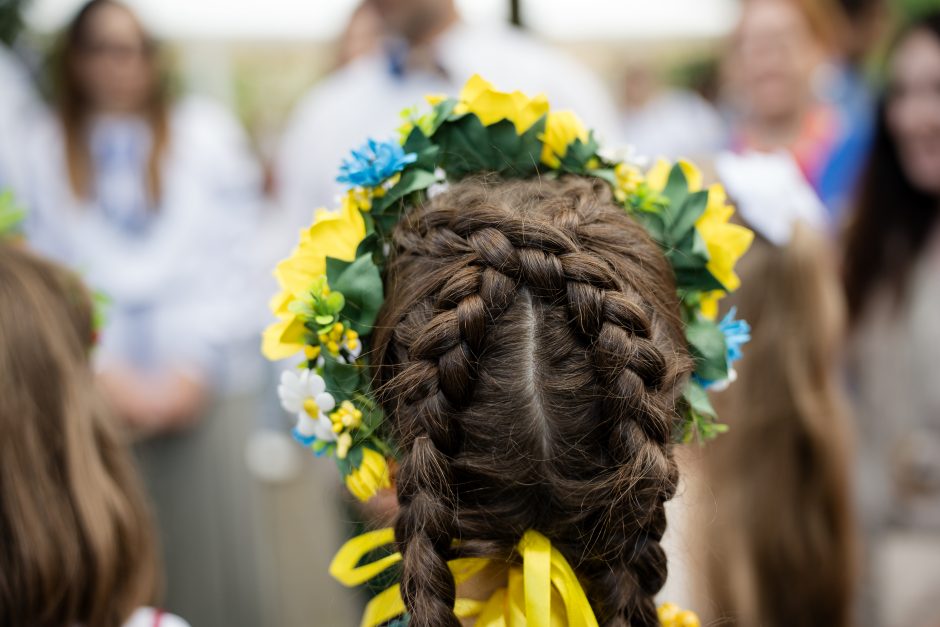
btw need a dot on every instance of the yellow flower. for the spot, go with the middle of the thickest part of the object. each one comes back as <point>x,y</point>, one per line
<point>343,442</point>
<point>628,180</point>
<point>725,242</point>
<point>670,615</point>
<point>480,98</point>
<point>709,303</point>
<point>371,476</point>
<point>562,128</point>
<point>335,234</point>
<point>283,339</point>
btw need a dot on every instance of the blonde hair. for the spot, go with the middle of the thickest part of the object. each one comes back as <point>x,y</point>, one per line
<point>76,545</point>
<point>780,531</point>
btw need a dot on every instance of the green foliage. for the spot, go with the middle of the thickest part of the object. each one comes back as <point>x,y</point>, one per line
<point>468,147</point>
<point>700,424</point>
<point>360,284</point>
<point>11,215</point>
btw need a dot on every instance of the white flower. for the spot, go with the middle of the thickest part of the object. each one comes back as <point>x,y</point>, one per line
<point>624,154</point>
<point>304,393</point>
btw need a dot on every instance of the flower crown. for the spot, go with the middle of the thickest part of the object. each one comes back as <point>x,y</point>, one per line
<point>331,285</point>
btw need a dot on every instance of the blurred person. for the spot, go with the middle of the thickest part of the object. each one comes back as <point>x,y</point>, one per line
<point>428,49</point>
<point>362,35</point>
<point>154,199</point>
<point>77,546</point>
<point>670,122</point>
<point>764,532</point>
<point>19,103</point>
<point>775,530</point>
<point>861,29</point>
<point>776,53</point>
<point>892,261</point>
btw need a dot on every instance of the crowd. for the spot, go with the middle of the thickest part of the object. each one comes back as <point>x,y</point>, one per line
<point>819,506</point>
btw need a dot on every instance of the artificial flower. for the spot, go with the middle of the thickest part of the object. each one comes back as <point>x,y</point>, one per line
<point>708,303</point>
<point>371,476</point>
<point>481,99</point>
<point>342,343</point>
<point>373,162</point>
<point>346,416</point>
<point>628,178</point>
<point>725,242</point>
<point>658,175</point>
<point>737,334</point>
<point>284,338</point>
<point>671,615</point>
<point>335,234</point>
<point>562,128</point>
<point>304,394</point>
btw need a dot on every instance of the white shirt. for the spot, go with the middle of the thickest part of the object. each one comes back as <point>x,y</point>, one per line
<point>675,124</point>
<point>148,617</point>
<point>364,100</point>
<point>179,276</point>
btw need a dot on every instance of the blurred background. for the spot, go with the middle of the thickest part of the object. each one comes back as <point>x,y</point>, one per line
<point>169,150</point>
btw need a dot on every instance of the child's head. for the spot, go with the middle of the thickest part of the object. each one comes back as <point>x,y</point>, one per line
<point>75,543</point>
<point>529,355</point>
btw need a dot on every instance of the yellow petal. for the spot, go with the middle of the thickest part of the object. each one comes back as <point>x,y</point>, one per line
<point>562,128</point>
<point>658,175</point>
<point>282,339</point>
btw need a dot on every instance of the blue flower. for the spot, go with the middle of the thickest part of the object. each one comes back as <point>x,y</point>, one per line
<point>737,334</point>
<point>373,162</point>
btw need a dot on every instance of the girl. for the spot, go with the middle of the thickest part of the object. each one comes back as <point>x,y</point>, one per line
<point>892,256</point>
<point>137,189</point>
<point>773,494</point>
<point>76,544</point>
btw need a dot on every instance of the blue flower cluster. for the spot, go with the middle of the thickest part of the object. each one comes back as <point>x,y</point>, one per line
<point>737,334</point>
<point>373,162</point>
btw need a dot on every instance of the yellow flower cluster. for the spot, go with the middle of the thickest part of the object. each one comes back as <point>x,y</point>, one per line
<point>671,615</point>
<point>371,476</point>
<point>346,418</point>
<point>339,337</point>
<point>335,234</point>
<point>629,179</point>
<point>726,242</point>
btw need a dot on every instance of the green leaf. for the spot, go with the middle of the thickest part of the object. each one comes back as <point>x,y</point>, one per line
<point>335,268</point>
<point>413,179</point>
<point>685,217</point>
<point>709,349</point>
<point>361,285</point>
<point>342,380</point>
<point>698,400</point>
<point>323,320</point>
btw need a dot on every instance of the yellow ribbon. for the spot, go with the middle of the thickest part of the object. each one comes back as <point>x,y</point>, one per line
<point>545,592</point>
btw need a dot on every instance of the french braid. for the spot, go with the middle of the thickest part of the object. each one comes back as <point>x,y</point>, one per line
<point>528,356</point>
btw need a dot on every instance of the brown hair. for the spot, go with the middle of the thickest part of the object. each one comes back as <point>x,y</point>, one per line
<point>73,107</point>
<point>893,220</point>
<point>529,355</point>
<point>76,545</point>
<point>777,531</point>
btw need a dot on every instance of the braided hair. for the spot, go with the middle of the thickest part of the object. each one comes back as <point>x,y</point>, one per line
<point>529,355</point>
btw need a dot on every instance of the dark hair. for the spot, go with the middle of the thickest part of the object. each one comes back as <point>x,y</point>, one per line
<point>72,104</point>
<point>76,542</point>
<point>892,220</point>
<point>529,355</point>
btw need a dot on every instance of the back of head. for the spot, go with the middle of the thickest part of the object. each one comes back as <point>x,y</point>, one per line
<point>777,483</point>
<point>528,356</point>
<point>75,546</point>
